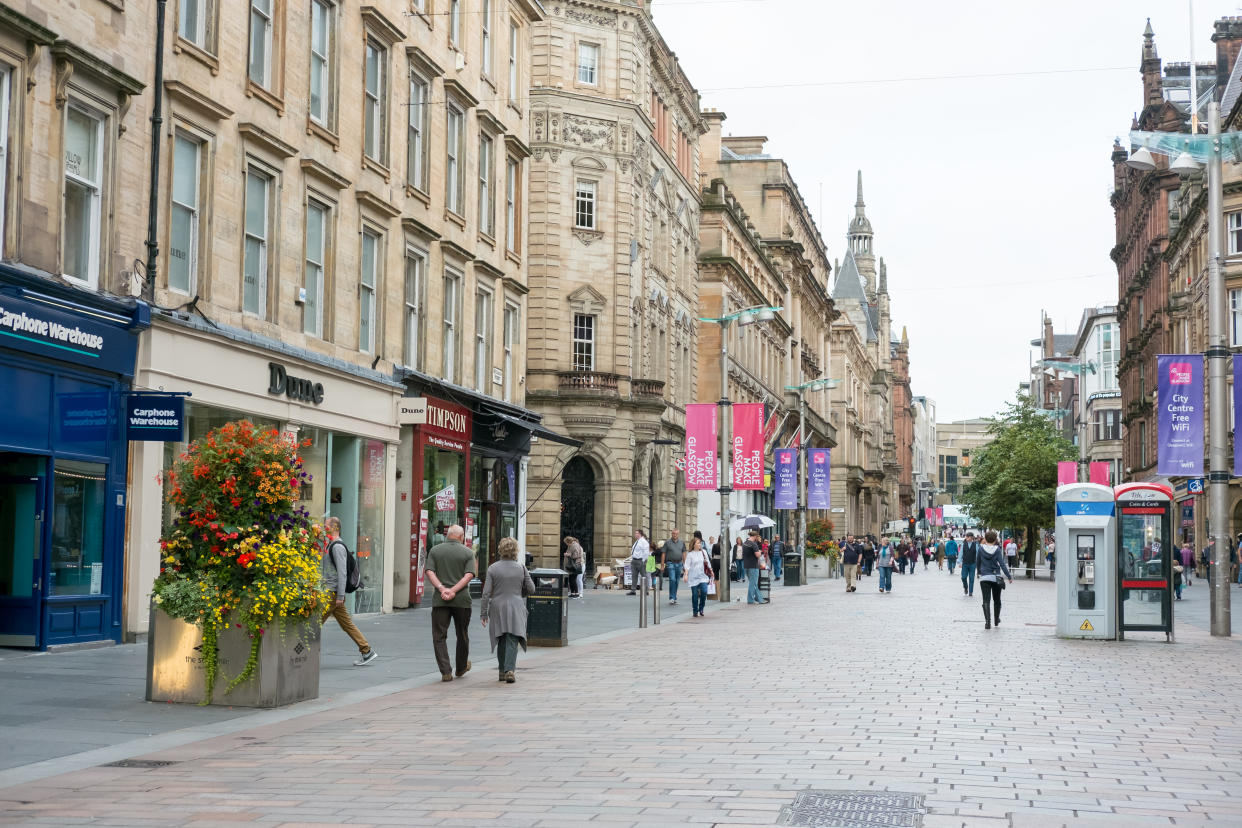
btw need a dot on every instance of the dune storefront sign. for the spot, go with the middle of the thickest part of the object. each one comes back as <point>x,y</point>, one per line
<point>280,381</point>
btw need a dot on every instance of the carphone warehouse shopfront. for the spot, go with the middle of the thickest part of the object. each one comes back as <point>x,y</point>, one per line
<point>66,360</point>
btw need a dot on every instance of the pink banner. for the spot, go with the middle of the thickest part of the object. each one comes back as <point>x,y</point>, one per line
<point>748,445</point>
<point>1099,474</point>
<point>701,446</point>
<point>940,516</point>
<point>1067,472</point>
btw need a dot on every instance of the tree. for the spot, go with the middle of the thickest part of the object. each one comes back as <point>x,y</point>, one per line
<point>1014,477</point>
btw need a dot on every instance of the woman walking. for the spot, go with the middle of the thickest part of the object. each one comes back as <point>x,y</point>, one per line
<point>698,574</point>
<point>504,604</point>
<point>991,563</point>
<point>885,561</point>
<point>913,554</point>
<point>575,565</point>
<point>716,559</point>
<point>739,572</point>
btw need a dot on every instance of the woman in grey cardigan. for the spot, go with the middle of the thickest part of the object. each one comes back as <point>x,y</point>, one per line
<point>504,604</point>
<point>991,563</point>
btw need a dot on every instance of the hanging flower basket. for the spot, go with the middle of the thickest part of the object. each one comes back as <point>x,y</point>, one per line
<point>239,566</point>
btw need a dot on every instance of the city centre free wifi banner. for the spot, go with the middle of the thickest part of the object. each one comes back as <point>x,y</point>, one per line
<point>748,446</point>
<point>1179,415</point>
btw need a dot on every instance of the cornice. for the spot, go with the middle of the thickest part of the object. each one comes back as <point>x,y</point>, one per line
<point>255,134</point>
<point>323,174</point>
<point>190,97</point>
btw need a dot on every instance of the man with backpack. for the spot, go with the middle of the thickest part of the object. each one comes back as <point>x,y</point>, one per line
<point>340,576</point>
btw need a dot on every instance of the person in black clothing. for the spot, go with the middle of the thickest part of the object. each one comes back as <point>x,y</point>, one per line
<point>868,557</point>
<point>970,557</point>
<point>850,554</point>
<point>751,550</point>
<point>716,557</point>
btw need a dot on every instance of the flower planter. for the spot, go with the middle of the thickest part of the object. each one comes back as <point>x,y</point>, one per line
<point>817,567</point>
<point>287,672</point>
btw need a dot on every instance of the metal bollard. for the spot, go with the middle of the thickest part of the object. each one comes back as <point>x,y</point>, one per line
<point>642,602</point>
<point>655,597</point>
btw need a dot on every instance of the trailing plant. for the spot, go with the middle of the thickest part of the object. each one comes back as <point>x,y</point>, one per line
<point>239,550</point>
<point>819,542</point>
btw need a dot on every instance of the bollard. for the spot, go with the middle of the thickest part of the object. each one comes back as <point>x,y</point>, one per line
<point>642,602</point>
<point>655,597</point>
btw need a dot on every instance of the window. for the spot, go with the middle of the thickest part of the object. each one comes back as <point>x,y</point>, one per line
<point>486,14</point>
<point>1109,353</point>
<point>372,254</point>
<point>512,171</point>
<point>511,320</point>
<point>416,162</point>
<point>415,290</point>
<point>588,62</point>
<point>584,342</point>
<point>584,205</point>
<point>192,22</point>
<point>487,217</point>
<point>1235,318</point>
<point>316,266</point>
<point>254,268</point>
<point>1235,233</point>
<point>454,28</point>
<point>482,340</point>
<point>513,63</point>
<point>5,79</point>
<point>375,119</point>
<point>455,149</point>
<point>321,63</point>
<point>260,70</point>
<point>452,307</point>
<point>1142,437</point>
<point>1108,425</point>
<point>183,222</point>
<point>83,193</point>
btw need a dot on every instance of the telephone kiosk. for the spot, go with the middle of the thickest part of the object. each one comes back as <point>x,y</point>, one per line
<point>1145,553</point>
<point>1086,538</point>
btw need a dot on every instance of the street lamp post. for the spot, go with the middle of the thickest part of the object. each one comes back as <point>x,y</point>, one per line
<point>800,390</point>
<point>1189,151</point>
<point>746,316</point>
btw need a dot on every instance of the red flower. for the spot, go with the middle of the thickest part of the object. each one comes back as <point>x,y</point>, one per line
<point>244,560</point>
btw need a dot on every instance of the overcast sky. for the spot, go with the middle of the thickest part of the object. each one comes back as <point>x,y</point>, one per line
<point>988,195</point>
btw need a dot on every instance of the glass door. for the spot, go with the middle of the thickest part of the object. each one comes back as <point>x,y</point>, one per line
<point>22,499</point>
<point>1144,567</point>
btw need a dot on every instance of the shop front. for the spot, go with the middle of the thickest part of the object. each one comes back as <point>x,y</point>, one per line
<point>66,361</point>
<point>340,415</point>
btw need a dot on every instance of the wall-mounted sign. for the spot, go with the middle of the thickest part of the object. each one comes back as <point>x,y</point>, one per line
<point>298,389</point>
<point>158,417</point>
<point>59,333</point>
<point>412,410</point>
<point>85,417</point>
<point>448,419</point>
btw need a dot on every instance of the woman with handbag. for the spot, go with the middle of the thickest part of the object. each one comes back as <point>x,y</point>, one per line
<point>991,564</point>
<point>504,604</point>
<point>739,574</point>
<point>575,564</point>
<point>886,559</point>
<point>698,574</point>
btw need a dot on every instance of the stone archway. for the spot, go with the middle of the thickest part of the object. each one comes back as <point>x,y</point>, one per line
<point>578,506</point>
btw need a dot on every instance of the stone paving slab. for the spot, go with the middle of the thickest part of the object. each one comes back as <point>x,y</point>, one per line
<point>720,721</point>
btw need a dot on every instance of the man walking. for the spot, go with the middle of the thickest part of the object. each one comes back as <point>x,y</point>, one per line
<point>750,563</point>
<point>638,560</point>
<point>777,553</point>
<point>950,552</point>
<point>849,558</point>
<point>674,563</point>
<point>450,568</point>
<point>333,568</point>
<point>970,557</point>
<point>1011,553</point>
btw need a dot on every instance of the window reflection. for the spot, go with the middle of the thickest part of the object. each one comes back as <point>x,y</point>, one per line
<point>77,528</point>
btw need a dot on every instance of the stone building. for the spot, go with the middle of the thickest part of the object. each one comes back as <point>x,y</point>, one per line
<point>903,429</point>
<point>924,459</point>
<point>864,466</point>
<point>614,206</point>
<point>1053,383</point>
<point>759,246</point>
<point>956,443</point>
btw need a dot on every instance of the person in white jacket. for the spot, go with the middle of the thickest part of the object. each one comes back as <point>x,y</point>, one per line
<point>639,553</point>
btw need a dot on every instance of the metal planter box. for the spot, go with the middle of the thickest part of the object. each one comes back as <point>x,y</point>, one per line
<point>818,567</point>
<point>287,672</point>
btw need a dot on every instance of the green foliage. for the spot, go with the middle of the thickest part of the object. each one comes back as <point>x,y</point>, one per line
<point>819,542</point>
<point>1014,478</point>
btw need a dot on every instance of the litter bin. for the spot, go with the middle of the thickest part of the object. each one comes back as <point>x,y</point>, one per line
<point>547,621</point>
<point>475,588</point>
<point>765,584</point>
<point>793,569</point>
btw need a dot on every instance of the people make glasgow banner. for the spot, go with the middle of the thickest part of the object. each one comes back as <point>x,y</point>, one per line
<point>748,446</point>
<point>786,462</point>
<point>701,446</point>
<point>1179,446</point>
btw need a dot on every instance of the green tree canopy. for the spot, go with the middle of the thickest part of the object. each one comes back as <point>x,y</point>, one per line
<point>1014,477</point>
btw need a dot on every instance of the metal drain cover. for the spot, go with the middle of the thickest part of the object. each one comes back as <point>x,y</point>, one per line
<point>853,809</point>
<point>141,763</point>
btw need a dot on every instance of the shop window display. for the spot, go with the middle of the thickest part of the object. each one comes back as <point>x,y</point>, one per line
<point>77,528</point>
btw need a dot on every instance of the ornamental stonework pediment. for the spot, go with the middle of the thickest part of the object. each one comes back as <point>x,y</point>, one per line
<point>587,300</point>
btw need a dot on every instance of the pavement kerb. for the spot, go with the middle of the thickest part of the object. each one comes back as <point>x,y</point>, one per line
<point>346,704</point>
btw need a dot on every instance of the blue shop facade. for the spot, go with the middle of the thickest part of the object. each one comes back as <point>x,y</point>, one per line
<point>67,358</point>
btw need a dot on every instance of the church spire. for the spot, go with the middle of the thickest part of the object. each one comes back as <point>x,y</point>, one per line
<point>860,227</point>
<point>859,205</point>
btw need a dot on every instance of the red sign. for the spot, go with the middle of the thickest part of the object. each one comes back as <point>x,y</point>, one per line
<point>447,419</point>
<point>1142,510</point>
<point>748,446</point>
<point>1145,584</point>
<point>701,446</point>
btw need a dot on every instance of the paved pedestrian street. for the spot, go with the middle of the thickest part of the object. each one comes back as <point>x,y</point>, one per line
<point>725,721</point>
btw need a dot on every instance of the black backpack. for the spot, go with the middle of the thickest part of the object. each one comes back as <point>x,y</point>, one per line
<point>353,578</point>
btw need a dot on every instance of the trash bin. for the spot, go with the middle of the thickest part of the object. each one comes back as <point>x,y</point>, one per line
<point>475,588</point>
<point>793,569</point>
<point>765,584</point>
<point>547,621</point>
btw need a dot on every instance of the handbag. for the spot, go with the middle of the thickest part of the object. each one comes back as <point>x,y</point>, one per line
<point>711,587</point>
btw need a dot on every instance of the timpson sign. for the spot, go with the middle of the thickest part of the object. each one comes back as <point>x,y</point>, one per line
<point>437,416</point>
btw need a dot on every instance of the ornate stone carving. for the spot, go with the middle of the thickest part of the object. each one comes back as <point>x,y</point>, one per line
<point>63,72</point>
<point>592,18</point>
<point>554,154</point>
<point>537,152</point>
<point>124,102</point>
<point>537,124</point>
<point>590,132</point>
<point>587,236</point>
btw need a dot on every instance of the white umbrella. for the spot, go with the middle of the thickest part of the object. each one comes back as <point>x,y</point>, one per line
<point>751,522</point>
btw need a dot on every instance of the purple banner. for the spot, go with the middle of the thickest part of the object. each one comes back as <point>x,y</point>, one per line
<point>1179,425</point>
<point>511,473</point>
<point>786,482</point>
<point>1237,411</point>
<point>818,476</point>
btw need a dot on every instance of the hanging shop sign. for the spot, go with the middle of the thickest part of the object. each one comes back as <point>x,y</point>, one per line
<point>786,463</point>
<point>748,445</point>
<point>281,382</point>
<point>1179,450</point>
<point>701,444</point>
<point>155,417</point>
<point>59,333</point>
<point>819,473</point>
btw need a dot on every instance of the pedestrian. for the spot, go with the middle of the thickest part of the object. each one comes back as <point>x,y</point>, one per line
<point>777,552</point>
<point>504,604</point>
<point>912,554</point>
<point>849,558</point>
<point>1188,560</point>
<point>1011,553</point>
<point>940,554</point>
<point>639,552</point>
<point>574,564</point>
<point>991,563</point>
<point>450,568</point>
<point>738,567</point>
<point>698,573</point>
<point>716,556</point>
<point>1234,573</point>
<point>950,552</point>
<point>868,557</point>
<point>751,550</point>
<point>1051,558</point>
<point>1177,579</point>
<point>926,549</point>
<point>885,561</point>
<point>333,567</point>
<point>674,563</point>
<point>970,555</point>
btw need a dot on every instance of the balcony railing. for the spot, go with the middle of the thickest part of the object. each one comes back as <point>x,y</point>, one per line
<point>648,388</point>
<point>598,381</point>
